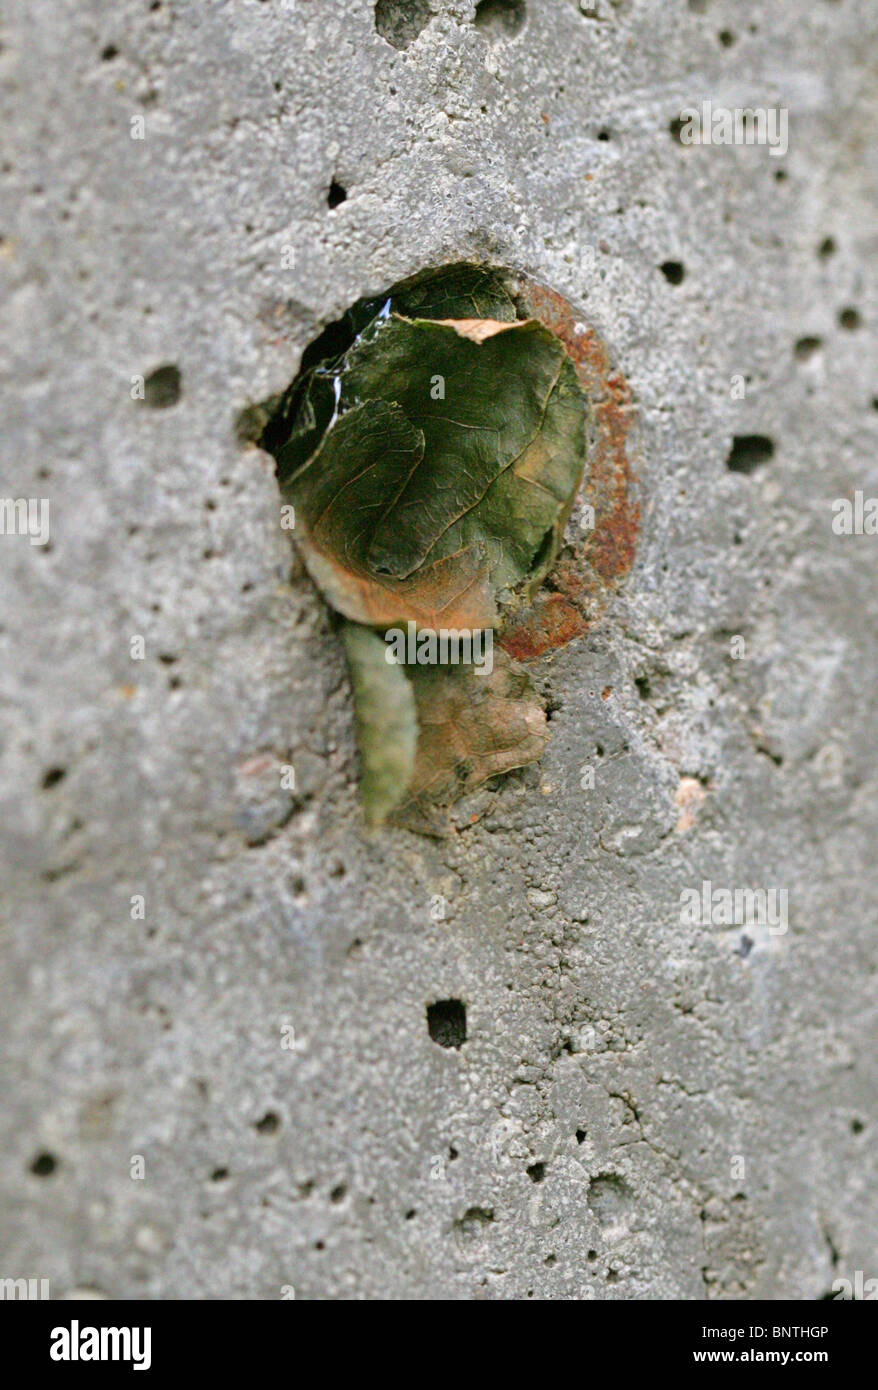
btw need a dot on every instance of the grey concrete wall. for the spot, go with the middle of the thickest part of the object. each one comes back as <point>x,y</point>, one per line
<point>238,1092</point>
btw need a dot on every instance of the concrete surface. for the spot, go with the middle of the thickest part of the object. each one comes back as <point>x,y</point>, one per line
<point>237,1093</point>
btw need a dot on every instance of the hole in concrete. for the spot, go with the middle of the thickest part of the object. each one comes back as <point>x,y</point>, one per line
<point>826,248</point>
<point>401,21</point>
<point>834,1253</point>
<point>446,1021</point>
<point>805,348</point>
<point>52,776</point>
<point>269,1124</point>
<point>857,1126</point>
<point>644,689</point>
<point>501,18</point>
<point>726,38</point>
<point>44,1165</point>
<point>321,404</point>
<point>473,1221</point>
<point>748,452</point>
<point>673,272</point>
<point>338,1193</point>
<point>162,388</point>
<point>219,1175</point>
<point>675,126</point>
<point>536,1171</point>
<point>609,1197</point>
<point>109,52</point>
<point>580,1136</point>
<point>850,319</point>
<point>336,195</point>
<point>553,706</point>
<point>765,752</point>
<point>604,134</point>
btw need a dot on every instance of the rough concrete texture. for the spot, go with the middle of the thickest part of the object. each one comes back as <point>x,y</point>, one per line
<point>642,1107</point>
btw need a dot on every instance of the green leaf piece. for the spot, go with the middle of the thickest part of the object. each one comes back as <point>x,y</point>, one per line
<point>471,727</point>
<point>461,292</point>
<point>446,470</point>
<point>386,723</point>
<point>432,446</point>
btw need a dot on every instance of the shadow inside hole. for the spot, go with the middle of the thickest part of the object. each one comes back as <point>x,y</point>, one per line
<point>748,451</point>
<point>446,1022</point>
<point>805,348</point>
<point>673,271</point>
<point>44,1165</point>
<point>163,387</point>
<point>501,18</point>
<point>400,22</point>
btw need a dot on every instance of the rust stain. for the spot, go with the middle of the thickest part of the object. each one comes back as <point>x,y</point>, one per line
<point>550,621</point>
<point>589,571</point>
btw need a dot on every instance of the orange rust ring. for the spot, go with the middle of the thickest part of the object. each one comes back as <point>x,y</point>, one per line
<point>589,571</point>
